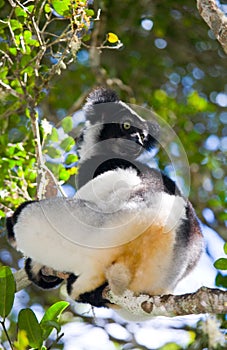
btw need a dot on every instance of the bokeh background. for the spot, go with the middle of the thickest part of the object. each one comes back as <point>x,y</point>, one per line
<point>170,62</point>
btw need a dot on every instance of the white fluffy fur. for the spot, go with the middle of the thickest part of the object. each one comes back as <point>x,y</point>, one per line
<point>71,224</point>
<point>110,190</point>
<point>78,235</point>
<point>88,148</point>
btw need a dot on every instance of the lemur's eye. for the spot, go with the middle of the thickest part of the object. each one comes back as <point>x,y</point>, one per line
<point>126,125</point>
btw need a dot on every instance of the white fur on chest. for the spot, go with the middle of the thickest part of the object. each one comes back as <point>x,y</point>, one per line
<point>110,190</point>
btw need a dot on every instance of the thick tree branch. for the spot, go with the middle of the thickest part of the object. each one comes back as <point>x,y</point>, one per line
<point>205,300</point>
<point>216,20</point>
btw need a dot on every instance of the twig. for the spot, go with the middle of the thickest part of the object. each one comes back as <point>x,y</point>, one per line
<point>11,91</point>
<point>6,333</point>
<point>23,7</point>
<point>7,56</point>
<point>37,31</point>
<point>64,36</point>
<point>77,104</point>
<point>52,190</point>
<point>216,20</point>
<point>103,46</point>
<point>12,3</point>
<point>39,156</point>
<point>56,341</point>
<point>41,9</point>
<point>98,15</point>
<point>12,33</point>
<point>115,47</point>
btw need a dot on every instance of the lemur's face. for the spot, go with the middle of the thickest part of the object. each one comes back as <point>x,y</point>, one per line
<point>127,134</point>
<point>113,129</point>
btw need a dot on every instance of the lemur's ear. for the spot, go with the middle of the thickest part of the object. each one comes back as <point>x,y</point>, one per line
<point>95,108</point>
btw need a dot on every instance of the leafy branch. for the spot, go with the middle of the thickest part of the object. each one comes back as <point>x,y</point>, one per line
<point>39,40</point>
<point>30,332</point>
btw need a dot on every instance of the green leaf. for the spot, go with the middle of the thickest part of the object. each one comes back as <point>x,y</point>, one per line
<point>225,247</point>
<point>89,12</point>
<point>221,264</point>
<point>20,12</point>
<point>4,72</point>
<point>47,8</point>
<point>7,291</point>
<point>62,7</point>
<point>28,38</point>
<point>64,175</point>
<point>222,216</point>
<point>67,144</point>
<point>15,24</point>
<point>221,281</point>
<point>28,322</point>
<point>25,60</point>
<point>53,152</point>
<point>52,314</point>
<point>71,158</point>
<point>214,202</point>
<point>2,214</point>
<point>67,124</point>
<point>30,8</point>
<point>51,325</point>
<point>2,3</point>
<point>54,135</point>
<point>86,37</point>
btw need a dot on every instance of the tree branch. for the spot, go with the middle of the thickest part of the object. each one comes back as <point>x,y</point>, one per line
<point>10,90</point>
<point>21,279</point>
<point>205,300</point>
<point>41,180</point>
<point>216,20</point>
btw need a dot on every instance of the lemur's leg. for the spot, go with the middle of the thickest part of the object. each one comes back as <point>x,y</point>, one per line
<point>41,275</point>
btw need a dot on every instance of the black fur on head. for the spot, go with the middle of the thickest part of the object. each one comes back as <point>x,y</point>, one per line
<point>94,106</point>
<point>113,129</point>
<point>102,95</point>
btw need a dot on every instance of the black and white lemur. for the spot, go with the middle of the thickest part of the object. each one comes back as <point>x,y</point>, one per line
<point>128,226</point>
